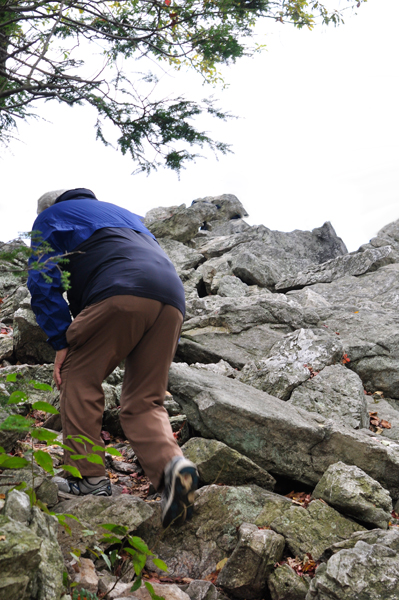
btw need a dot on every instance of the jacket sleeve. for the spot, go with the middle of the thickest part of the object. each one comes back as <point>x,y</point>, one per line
<point>51,310</point>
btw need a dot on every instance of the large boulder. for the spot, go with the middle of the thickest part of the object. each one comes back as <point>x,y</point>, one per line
<point>281,438</point>
<point>30,342</point>
<point>244,575</point>
<point>195,549</point>
<point>285,584</point>
<point>314,529</point>
<point>336,393</point>
<point>239,330</point>
<point>13,265</point>
<point>366,318</point>
<point>217,463</point>
<point>31,562</point>
<point>351,264</point>
<point>351,491</point>
<point>292,361</point>
<point>365,572</point>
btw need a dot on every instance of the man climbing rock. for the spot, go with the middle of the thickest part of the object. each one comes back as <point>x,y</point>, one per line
<point>128,303</point>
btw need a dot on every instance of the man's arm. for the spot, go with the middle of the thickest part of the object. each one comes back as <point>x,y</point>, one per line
<point>51,310</point>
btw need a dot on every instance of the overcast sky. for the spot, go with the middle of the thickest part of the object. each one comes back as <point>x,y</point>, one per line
<point>317,139</point>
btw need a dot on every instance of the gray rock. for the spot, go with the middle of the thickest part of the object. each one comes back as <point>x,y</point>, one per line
<point>6,346</point>
<point>314,529</point>
<point>85,575</point>
<point>19,559</point>
<point>366,572</point>
<point>220,368</point>
<point>388,410</point>
<point>166,590</point>
<point>351,264</point>
<point>183,257</point>
<point>201,590</point>
<point>285,584</point>
<point>351,491</point>
<point>8,439</point>
<point>241,329</point>
<point>365,316</point>
<point>389,538</point>
<point>228,207</point>
<point>46,490</point>
<point>18,298</point>
<point>244,575</point>
<point>195,549</point>
<point>31,562</point>
<point>26,375</point>
<point>29,340</point>
<point>292,361</point>
<point>217,463</point>
<point>229,286</point>
<point>12,269</point>
<point>280,438</point>
<point>300,248</point>
<point>336,393</point>
<point>48,581</point>
<point>17,507</point>
<point>93,511</point>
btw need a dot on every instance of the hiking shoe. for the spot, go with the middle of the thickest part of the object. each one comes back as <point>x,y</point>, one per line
<point>81,487</point>
<point>181,481</point>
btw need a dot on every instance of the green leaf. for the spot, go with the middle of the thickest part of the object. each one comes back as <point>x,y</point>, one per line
<point>44,435</point>
<point>21,486</point>
<point>45,407</point>
<point>17,397</point>
<point>75,439</point>
<point>16,423</point>
<point>117,529</point>
<point>65,579</point>
<point>42,506</point>
<point>44,460</point>
<point>82,437</point>
<point>64,447</point>
<point>94,458</point>
<point>114,556</point>
<point>11,377</point>
<point>72,470</point>
<point>72,517</point>
<point>78,456</point>
<point>139,544</point>
<point>98,449</point>
<point>13,462</point>
<point>113,451</point>
<point>110,539</point>
<point>136,585</point>
<point>2,449</point>
<point>41,386</point>
<point>32,495</point>
<point>138,560</point>
<point>151,591</point>
<point>160,564</point>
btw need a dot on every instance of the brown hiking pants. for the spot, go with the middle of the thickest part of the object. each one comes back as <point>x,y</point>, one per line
<point>144,332</point>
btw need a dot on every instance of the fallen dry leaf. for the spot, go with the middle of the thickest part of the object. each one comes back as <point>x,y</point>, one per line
<point>2,538</point>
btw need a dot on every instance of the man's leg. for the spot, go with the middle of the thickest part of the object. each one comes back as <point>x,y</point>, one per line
<point>143,417</point>
<point>100,338</point>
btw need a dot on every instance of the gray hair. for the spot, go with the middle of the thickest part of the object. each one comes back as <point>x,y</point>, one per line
<point>48,199</point>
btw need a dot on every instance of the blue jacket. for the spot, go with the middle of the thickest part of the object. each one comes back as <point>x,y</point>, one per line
<point>123,258</point>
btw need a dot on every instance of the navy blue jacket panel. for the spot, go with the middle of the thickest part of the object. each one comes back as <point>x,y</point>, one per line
<point>69,224</point>
<point>118,261</point>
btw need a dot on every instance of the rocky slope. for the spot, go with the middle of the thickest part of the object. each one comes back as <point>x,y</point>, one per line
<point>289,343</point>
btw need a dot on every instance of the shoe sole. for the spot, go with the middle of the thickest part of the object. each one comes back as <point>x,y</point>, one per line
<point>181,501</point>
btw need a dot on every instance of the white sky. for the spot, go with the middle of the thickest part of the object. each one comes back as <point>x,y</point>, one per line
<point>317,138</point>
